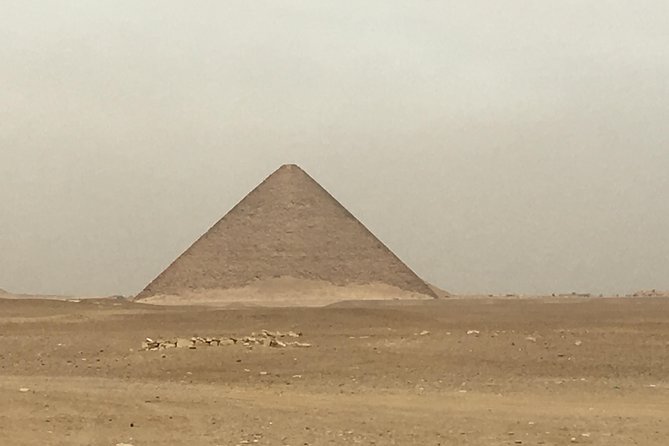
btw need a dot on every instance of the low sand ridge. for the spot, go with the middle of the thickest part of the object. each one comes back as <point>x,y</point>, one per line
<point>285,291</point>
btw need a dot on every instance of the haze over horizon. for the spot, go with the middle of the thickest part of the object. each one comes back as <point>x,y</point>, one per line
<point>495,147</point>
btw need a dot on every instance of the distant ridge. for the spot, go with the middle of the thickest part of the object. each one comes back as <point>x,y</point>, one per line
<point>287,227</point>
<point>650,293</point>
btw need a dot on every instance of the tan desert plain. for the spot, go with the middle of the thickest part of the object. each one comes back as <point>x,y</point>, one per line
<point>289,323</point>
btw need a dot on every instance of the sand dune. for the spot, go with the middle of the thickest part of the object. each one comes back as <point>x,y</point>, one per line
<point>285,292</point>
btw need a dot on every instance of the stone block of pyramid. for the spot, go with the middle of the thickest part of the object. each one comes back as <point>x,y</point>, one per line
<point>288,227</point>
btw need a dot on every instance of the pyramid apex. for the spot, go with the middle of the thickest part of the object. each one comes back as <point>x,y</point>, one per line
<point>289,166</point>
<point>290,170</point>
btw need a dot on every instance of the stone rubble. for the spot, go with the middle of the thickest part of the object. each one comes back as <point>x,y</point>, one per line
<point>265,337</point>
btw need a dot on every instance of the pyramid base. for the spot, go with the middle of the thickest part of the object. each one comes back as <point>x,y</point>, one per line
<point>285,292</point>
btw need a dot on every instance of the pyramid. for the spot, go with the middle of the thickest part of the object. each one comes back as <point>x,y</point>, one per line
<point>287,227</point>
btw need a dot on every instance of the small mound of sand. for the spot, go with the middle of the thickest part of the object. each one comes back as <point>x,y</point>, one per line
<point>442,294</point>
<point>285,292</point>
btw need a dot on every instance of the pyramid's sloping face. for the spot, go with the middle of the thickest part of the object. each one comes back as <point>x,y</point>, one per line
<point>289,226</point>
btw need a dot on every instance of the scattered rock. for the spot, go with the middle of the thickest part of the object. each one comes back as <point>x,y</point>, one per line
<point>473,332</point>
<point>424,333</point>
<point>265,337</point>
<point>276,343</point>
<point>184,343</point>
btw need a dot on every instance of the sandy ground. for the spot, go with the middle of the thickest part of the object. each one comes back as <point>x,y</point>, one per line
<point>551,372</point>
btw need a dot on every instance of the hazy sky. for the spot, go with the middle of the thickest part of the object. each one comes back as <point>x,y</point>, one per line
<point>495,146</point>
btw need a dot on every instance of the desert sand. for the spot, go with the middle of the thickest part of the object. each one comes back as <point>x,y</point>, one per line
<point>551,371</point>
